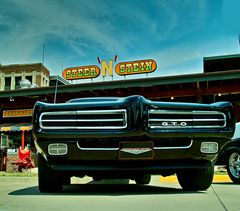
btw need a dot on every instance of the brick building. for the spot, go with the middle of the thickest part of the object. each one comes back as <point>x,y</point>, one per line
<point>11,76</point>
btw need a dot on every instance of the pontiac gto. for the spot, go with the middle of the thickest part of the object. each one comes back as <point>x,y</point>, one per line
<point>130,137</point>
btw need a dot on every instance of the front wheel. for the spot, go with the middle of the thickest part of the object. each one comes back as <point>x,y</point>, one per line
<point>233,166</point>
<point>196,179</point>
<point>48,179</point>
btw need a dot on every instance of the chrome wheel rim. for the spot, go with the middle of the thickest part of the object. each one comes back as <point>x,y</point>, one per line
<point>234,164</point>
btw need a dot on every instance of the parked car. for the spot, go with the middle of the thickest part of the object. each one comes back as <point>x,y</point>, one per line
<point>129,138</point>
<point>230,156</point>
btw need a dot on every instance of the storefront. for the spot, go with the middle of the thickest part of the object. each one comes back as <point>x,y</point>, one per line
<point>15,134</point>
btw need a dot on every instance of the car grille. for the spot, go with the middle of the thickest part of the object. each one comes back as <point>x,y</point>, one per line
<point>160,119</point>
<point>85,119</point>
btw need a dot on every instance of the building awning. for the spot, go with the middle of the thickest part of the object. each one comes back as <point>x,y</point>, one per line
<point>13,127</point>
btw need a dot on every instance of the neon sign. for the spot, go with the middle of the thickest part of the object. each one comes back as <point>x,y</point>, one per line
<point>122,69</point>
<point>82,72</point>
<point>136,67</point>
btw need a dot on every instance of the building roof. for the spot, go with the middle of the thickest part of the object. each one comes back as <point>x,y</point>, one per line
<point>221,63</point>
<point>61,81</point>
<point>24,67</point>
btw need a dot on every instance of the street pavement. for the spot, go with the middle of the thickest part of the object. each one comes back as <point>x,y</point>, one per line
<point>21,193</point>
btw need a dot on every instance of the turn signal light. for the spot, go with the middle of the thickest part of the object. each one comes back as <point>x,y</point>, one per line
<point>209,147</point>
<point>57,149</point>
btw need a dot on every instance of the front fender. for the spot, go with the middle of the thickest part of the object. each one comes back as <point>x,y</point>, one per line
<point>224,153</point>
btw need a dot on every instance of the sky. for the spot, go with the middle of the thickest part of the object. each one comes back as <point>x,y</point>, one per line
<point>177,34</point>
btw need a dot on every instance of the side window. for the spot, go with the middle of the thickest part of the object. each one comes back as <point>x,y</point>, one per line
<point>237,131</point>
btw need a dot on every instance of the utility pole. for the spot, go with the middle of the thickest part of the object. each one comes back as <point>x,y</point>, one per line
<point>43,54</point>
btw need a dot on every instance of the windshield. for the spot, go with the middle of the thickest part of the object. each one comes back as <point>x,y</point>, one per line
<point>92,100</point>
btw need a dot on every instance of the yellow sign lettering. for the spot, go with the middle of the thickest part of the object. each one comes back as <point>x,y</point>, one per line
<point>107,67</point>
<point>17,113</point>
<point>136,67</point>
<point>82,72</point>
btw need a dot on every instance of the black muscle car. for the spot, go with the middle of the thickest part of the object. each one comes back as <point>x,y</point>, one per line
<point>129,137</point>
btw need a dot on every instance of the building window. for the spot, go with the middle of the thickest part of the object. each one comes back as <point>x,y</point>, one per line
<point>17,82</point>
<point>7,83</point>
<point>29,78</point>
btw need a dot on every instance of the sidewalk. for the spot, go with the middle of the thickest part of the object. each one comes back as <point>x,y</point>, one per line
<point>216,178</point>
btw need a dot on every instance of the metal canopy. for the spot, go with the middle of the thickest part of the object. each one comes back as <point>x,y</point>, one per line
<point>13,127</point>
<point>108,85</point>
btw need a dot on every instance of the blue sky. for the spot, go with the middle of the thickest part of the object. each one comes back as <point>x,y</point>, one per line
<point>175,33</point>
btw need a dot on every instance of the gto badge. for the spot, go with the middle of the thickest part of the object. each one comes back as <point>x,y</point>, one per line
<point>174,124</point>
<point>136,151</point>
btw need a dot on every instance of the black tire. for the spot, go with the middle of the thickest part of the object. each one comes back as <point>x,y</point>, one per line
<point>196,179</point>
<point>97,179</point>
<point>143,180</point>
<point>66,180</point>
<point>48,179</point>
<point>233,165</point>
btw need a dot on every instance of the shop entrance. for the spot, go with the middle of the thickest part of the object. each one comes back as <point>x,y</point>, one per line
<point>14,137</point>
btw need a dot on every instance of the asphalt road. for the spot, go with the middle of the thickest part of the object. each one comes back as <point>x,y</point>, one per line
<point>17,193</point>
